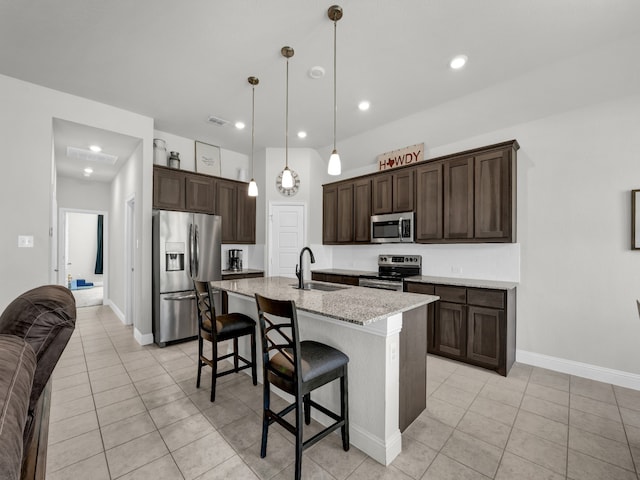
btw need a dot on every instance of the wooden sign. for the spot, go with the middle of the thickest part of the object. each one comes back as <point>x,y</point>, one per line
<point>398,158</point>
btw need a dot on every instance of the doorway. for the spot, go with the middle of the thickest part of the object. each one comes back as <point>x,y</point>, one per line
<point>82,263</point>
<point>130,260</point>
<point>287,237</point>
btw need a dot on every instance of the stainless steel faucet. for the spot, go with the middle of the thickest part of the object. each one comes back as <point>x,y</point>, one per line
<point>299,268</point>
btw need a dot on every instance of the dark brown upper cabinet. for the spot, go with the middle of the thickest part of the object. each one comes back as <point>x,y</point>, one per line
<point>458,198</point>
<point>330,214</point>
<point>238,211</point>
<point>392,192</point>
<point>429,200</point>
<point>362,210</point>
<point>494,196</point>
<point>168,189</point>
<point>345,213</point>
<point>200,193</point>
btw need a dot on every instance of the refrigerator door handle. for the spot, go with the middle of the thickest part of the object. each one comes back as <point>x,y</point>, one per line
<point>173,298</point>
<point>196,248</point>
<point>190,247</point>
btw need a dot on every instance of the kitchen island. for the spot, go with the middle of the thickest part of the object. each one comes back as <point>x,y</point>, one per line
<point>384,335</point>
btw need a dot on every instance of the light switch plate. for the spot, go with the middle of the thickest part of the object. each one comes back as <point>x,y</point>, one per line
<point>25,241</point>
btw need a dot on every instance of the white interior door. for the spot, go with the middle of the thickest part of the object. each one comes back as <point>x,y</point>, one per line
<point>287,238</point>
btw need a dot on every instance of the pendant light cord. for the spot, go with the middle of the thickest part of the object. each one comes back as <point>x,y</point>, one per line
<point>335,102</point>
<point>286,128</point>
<point>253,115</point>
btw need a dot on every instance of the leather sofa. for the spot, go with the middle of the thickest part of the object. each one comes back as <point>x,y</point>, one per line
<point>34,331</point>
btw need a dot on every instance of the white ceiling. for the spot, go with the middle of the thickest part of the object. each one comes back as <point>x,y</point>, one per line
<point>180,62</point>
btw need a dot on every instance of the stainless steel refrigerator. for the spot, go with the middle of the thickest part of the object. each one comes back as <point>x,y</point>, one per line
<point>186,247</point>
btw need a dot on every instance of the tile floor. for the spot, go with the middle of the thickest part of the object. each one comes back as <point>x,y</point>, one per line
<point>124,411</point>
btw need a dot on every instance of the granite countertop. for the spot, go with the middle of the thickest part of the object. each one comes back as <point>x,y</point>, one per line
<point>351,304</point>
<point>463,282</point>
<point>348,273</point>
<point>241,272</point>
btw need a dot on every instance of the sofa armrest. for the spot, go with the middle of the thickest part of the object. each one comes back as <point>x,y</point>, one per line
<point>17,369</point>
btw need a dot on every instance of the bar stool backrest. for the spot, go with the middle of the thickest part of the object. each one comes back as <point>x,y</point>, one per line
<point>279,333</point>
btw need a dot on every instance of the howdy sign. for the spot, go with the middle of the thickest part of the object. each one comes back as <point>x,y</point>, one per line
<point>398,158</point>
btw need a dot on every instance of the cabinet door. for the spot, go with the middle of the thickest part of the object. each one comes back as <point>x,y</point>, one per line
<point>246,208</point>
<point>329,214</point>
<point>362,210</point>
<point>450,329</point>
<point>493,196</point>
<point>403,191</point>
<point>200,194</point>
<point>426,289</point>
<point>168,189</point>
<point>429,202</point>
<point>345,213</point>
<point>226,193</point>
<point>382,190</point>
<point>458,198</point>
<point>486,335</point>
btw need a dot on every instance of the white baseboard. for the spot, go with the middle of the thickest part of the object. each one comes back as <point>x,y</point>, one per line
<point>115,310</point>
<point>593,372</point>
<point>142,338</point>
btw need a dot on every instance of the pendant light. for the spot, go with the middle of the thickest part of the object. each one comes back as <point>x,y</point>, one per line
<point>287,177</point>
<point>335,168</point>
<point>253,186</point>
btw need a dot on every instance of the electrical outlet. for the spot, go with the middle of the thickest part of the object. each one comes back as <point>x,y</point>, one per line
<point>456,269</point>
<point>25,241</point>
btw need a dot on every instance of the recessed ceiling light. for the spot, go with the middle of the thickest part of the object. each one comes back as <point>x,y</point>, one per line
<point>88,170</point>
<point>239,125</point>
<point>302,134</point>
<point>86,174</point>
<point>95,148</point>
<point>458,61</point>
<point>364,105</point>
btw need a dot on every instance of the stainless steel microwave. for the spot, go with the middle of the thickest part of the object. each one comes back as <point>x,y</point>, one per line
<point>392,228</point>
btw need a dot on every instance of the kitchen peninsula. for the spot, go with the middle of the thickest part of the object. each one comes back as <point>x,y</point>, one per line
<point>384,335</point>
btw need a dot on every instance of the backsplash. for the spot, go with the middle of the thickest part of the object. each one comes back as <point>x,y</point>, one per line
<point>485,261</point>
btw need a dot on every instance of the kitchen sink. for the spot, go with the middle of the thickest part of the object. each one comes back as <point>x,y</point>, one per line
<point>321,287</point>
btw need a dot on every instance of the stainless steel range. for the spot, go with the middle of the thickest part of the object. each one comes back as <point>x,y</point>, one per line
<point>392,269</point>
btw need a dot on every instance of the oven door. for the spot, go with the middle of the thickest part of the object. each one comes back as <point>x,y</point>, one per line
<point>393,285</point>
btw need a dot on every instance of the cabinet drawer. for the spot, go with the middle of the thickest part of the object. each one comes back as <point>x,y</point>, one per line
<point>486,298</point>
<point>424,288</point>
<point>448,293</point>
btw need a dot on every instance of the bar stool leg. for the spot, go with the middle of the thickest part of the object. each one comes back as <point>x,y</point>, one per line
<point>235,354</point>
<point>307,408</point>
<point>254,368</point>
<point>266,404</point>
<point>344,410</point>
<point>299,438</point>
<point>199,360</point>
<point>214,370</point>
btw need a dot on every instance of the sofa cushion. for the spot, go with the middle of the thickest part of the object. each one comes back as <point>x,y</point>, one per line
<point>17,367</point>
<point>45,318</point>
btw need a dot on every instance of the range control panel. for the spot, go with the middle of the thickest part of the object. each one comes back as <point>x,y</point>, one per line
<point>400,260</point>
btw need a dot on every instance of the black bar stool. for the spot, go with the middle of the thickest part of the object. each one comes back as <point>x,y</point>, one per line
<point>298,368</point>
<point>218,328</point>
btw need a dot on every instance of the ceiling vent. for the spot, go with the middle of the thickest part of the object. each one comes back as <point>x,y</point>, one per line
<point>220,122</point>
<point>89,156</point>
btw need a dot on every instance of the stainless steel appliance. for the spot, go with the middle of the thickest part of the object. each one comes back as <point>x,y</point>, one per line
<point>392,269</point>
<point>186,247</point>
<point>235,260</point>
<point>392,228</point>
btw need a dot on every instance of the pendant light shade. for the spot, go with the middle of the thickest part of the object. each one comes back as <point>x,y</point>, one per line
<point>335,167</point>
<point>253,81</point>
<point>287,177</point>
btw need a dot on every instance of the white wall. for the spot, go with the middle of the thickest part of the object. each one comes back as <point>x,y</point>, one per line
<point>83,194</point>
<point>26,123</point>
<point>83,246</point>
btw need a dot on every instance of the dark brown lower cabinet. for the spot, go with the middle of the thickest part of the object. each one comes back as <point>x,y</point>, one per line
<point>335,278</point>
<point>472,325</point>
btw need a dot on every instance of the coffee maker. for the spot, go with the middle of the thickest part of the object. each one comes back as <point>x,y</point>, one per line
<point>235,260</point>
